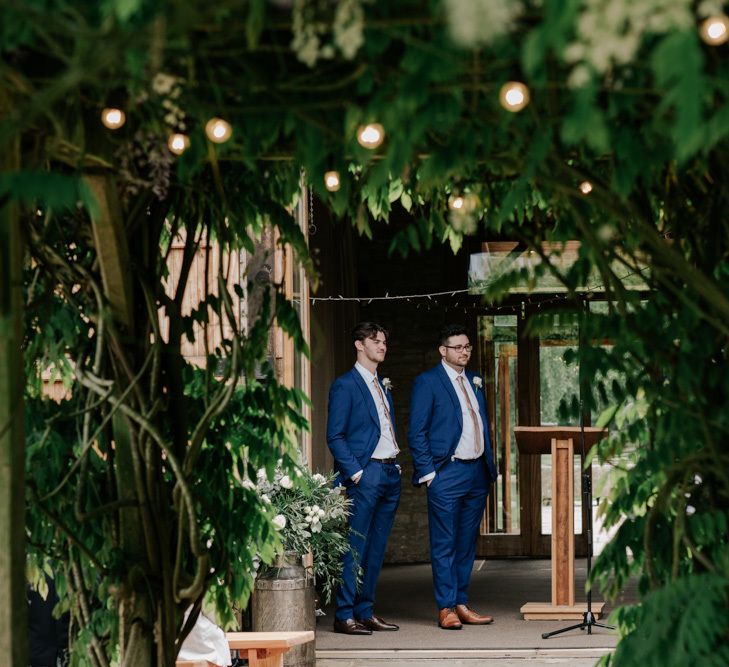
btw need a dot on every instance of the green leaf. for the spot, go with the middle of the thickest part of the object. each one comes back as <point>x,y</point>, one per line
<point>254,21</point>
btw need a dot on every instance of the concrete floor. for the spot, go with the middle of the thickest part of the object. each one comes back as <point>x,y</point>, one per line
<point>499,588</point>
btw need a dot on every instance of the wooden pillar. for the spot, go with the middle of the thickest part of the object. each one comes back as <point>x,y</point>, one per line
<point>528,396</point>
<point>13,604</point>
<point>563,520</point>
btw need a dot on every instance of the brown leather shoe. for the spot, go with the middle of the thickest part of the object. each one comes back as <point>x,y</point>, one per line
<point>448,619</point>
<point>377,624</point>
<point>467,615</point>
<point>351,627</point>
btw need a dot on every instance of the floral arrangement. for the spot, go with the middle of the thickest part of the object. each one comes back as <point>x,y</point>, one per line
<point>310,515</point>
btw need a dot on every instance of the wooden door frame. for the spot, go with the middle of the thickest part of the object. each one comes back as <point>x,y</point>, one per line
<point>529,542</point>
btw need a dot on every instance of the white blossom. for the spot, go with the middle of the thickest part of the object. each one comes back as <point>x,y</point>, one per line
<point>610,34</point>
<point>162,84</point>
<point>279,522</point>
<point>286,482</point>
<point>476,22</point>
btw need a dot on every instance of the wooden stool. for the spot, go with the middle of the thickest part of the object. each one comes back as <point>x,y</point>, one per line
<point>262,649</point>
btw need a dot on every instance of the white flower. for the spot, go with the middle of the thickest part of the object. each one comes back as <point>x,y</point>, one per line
<point>265,499</point>
<point>387,384</point>
<point>316,527</point>
<point>286,482</point>
<point>163,83</point>
<point>478,382</point>
<point>319,478</point>
<point>279,522</point>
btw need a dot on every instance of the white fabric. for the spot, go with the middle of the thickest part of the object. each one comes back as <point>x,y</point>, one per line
<point>466,448</point>
<point>206,641</point>
<point>386,446</point>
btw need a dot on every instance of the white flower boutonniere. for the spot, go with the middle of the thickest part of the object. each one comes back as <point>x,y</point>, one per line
<point>387,384</point>
<point>477,382</point>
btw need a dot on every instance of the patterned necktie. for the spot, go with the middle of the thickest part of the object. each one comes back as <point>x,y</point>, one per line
<point>387,413</point>
<point>476,428</point>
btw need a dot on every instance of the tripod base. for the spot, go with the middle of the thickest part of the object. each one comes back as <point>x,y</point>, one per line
<point>545,611</point>
<point>588,622</point>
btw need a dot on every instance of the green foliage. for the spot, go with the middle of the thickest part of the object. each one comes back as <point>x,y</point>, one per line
<point>647,128</point>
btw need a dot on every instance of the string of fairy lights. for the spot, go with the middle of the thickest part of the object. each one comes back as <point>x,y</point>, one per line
<point>434,301</point>
<point>514,96</point>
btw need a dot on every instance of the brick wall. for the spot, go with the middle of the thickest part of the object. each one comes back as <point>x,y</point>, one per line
<point>412,349</point>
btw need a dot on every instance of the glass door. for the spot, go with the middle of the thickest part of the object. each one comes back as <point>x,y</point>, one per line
<point>497,350</point>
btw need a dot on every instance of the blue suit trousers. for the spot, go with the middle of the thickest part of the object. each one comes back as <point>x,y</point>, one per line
<point>374,503</point>
<point>456,502</point>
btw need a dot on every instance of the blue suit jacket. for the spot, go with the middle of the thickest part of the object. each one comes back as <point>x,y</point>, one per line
<point>436,422</point>
<point>353,425</point>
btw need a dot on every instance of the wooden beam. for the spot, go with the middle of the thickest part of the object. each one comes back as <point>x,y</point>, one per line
<point>111,247</point>
<point>13,603</point>
<point>528,393</point>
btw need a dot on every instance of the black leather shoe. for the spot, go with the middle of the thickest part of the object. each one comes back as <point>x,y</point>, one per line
<point>377,624</point>
<point>351,627</point>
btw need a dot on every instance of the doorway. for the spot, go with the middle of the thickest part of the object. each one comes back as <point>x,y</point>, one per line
<point>526,377</point>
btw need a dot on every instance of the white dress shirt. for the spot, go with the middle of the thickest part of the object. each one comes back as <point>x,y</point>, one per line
<point>386,446</point>
<point>466,448</point>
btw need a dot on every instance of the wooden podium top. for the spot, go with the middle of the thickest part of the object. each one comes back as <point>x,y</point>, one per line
<point>538,439</point>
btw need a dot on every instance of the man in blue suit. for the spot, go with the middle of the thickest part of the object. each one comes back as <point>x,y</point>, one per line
<point>451,448</point>
<point>362,438</point>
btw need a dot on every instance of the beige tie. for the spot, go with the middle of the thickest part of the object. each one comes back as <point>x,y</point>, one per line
<point>476,427</point>
<point>387,414</point>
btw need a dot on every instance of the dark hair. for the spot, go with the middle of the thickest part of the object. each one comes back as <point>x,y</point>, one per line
<point>451,330</point>
<point>367,330</point>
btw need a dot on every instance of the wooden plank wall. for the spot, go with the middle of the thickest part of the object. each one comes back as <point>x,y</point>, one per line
<point>208,255</point>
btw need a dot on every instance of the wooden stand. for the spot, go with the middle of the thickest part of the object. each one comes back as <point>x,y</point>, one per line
<point>559,441</point>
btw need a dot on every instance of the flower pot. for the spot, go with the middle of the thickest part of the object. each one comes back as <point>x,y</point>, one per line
<point>283,600</point>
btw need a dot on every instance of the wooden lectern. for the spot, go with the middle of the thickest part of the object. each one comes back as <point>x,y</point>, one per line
<point>560,442</point>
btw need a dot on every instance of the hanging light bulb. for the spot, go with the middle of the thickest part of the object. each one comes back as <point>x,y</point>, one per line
<point>715,30</point>
<point>113,118</point>
<point>178,143</point>
<point>463,203</point>
<point>456,203</point>
<point>371,135</point>
<point>514,96</point>
<point>218,130</point>
<point>331,181</point>
<point>585,187</point>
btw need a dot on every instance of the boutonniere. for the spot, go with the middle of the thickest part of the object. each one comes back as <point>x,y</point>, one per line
<point>387,384</point>
<point>477,382</point>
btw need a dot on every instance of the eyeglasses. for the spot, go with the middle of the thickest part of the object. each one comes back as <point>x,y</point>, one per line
<point>460,348</point>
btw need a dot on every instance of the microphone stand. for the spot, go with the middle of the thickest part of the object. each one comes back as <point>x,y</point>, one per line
<point>588,618</point>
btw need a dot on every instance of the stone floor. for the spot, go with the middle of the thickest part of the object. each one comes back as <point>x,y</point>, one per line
<point>499,588</point>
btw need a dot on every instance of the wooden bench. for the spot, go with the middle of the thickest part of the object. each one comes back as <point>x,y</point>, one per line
<point>262,649</point>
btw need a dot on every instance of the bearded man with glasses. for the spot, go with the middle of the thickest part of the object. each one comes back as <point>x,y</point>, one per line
<point>451,449</point>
